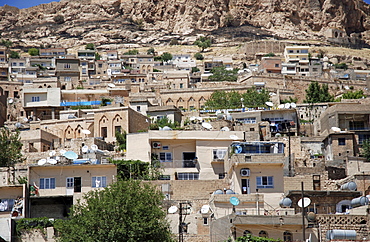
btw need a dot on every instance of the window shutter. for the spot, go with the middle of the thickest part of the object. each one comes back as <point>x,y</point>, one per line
<point>52,183</point>
<point>42,183</point>
<point>104,181</point>
<point>93,181</point>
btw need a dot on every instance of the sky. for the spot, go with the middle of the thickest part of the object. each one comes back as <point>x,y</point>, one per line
<point>31,3</point>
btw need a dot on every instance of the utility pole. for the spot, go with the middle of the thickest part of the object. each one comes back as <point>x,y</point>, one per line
<point>303,214</point>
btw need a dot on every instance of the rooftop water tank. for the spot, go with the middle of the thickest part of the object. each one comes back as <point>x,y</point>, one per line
<point>338,234</point>
<point>285,202</point>
<point>359,201</point>
<point>349,186</point>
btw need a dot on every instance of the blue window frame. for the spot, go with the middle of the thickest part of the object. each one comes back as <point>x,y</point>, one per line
<point>47,183</point>
<point>99,181</point>
<point>265,182</point>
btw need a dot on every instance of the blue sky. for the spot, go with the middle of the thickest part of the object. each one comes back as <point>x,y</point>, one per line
<point>30,3</point>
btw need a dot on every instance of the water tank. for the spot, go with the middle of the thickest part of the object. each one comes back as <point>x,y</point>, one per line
<point>359,201</point>
<point>311,217</point>
<point>285,202</point>
<point>338,234</point>
<point>219,191</point>
<point>229,191</point>
<point>349,186</point>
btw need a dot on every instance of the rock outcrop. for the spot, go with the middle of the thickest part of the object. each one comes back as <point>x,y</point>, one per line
<point>117,21</point>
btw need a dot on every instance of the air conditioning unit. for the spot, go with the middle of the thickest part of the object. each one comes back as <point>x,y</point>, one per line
<point>245,172</point>
<point>156,145</point>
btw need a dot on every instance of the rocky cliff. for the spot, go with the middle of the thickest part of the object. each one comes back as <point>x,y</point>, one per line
<point>103,22</point>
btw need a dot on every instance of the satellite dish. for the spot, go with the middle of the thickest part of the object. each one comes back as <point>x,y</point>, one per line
<point>52,153</point>
<point>225,129</point>
<point>94,147</point>
<point>287,105</point>
<point>172,209</point>
<point>306,200</point>
<point>270,104</point>
<point>277,135</point>
<point>10,101</point>
<point>335,129</point>
<point>234,201</point>
<point>85,149</point>
<point>281,106</point>
<point>293,105</point>
<point>166,128</point>
<point>18,125</point>
<point>70,155</point>
<point>85,131</point>
<point>52,161</point>
<point>234,137</point>
<point>111,85</point>
<point>41,162</point>
<point>25,120</point>
<point>62,152</point>
<point>346,87</point>
<point>205,209</point>
<point>220,116</point>
<point>238,149</point>
<point>193,118</point>
<point>207,125</point>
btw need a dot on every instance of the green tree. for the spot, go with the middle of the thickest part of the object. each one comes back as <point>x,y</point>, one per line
<point>224,100</point>
<point>341,66</point>
<point>174,42</point>
<point>220,73</point>
<point>270,55</point>
<point>354,95</point>
<point>6,43</point>
<point>97,56</point>
<point>125,211</point>
<point>289,100</point>
<point>151,51</point>
<point>366,149</point>
<point>194,69</point>
<point>254,98</point>
<point>131,52</point>
<point>14,55</point>
<point>198,56</point>
<point>203,43</point>
<point>315,93</point>
<point>121,140</point>
<point>137,170</point>
<point>10,148</point>
<point>166,56</point>
<point>33,51</point>
<point>90,46</point>
<point>160,123</point>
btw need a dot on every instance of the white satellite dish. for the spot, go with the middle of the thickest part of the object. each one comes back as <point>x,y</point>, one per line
<point>172,209</point>
<point>207,125</point>
<point>111,85</point>
<point>225,129</point>
<point>41,162</point>
<point>10,101</point>
<point>346,87</point>
<point>306,200</point>
<point>85,149</point>
<point>193,118</point>
<point>281,106</point>
<point>85,131</point>
<point>335,129</point>
<point>205,209</point>
<point>234,137</point>
<point>287,105</point>
<point>166,128</point>
<point>270,104</point>
<point>62,152</point>
<point>25,120</point>
<point>94,147</point>
<point>52,161</point>
<point>293,105</point>
<point>52,153</point>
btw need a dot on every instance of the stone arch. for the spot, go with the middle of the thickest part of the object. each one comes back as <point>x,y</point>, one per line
<point>180,103</point>
<point>169,102</point>
<point>263,234</point>
<point>103,127</point>
<point>78,132</point>
<point>192,104</point>
<point>68,133</point>
<point>288,236</point>
<point>202,102</point>
<point>246,232</point>
<point>117,124</point>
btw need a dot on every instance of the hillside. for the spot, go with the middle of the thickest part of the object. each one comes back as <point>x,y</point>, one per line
<point>156,21</point>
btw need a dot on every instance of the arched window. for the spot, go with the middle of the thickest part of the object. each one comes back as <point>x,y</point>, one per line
<point>288,236</point>
<point>263,234</point>
<point>246,232</point>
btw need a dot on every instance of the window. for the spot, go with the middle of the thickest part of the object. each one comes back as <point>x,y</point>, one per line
<point>165,157</point>
<point>165,177</point>
<point>67,78</point>
<point>70,182</point>
<point>219,154</point>
<point>98,181</point>
<point>21,64</point>
<point>83,71</point>
<point>138,108</point>
<point>246,232</point>
<point>362,138</point>
<point>205,221</point>
<point>247,120</point>
<point>188,176</point>
<point>221,175</point>
<point>104,132</point>
<point>263,234</point>
<point>47,183</point>
<point>35,99</point>
<point>356,125</point>
<point>288,236</point>
<point>265,182</point>
<point>276,65</point>
<point>67,66</point>
<point>341,141</point>
<point>181,85</point>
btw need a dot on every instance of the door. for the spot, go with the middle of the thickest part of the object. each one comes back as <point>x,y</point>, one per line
<point>77,184</point>
<point>245,186</point>
<point>188,159</point>
<point>69,185</point>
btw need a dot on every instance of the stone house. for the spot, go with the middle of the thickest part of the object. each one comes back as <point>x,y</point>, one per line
<point>68,72</point>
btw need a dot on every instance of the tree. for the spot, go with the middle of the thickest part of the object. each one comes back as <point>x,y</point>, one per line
<point>137,170</point>
<point>90,46</point>
<point>254,98</point>
<point>198,56</point>
<point>121,140</point>
<point>33,51</point>
<point>125,211</point>
<point>131,52</point>
<point>97,56</point>
<point>166,56</point>
<point>151,51</point>
<point>366,149</point>
<point>354,95</point>
<point>269,55</point>
<point>341,66</point>
<point>174,42</point>
<point>289,100</point>
<point>221,74</point>
<point>315,93</point>
<point>6,43</point>
<point>59,19</point>
<point>14,55</point>
<point>194,69</point>
<point>203,43</point>
<point>160,123</point>
<point>10,148</point>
